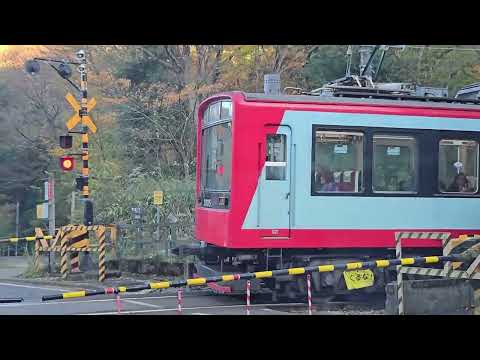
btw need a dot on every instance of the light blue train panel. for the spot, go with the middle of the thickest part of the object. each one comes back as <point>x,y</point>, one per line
<point>273,203</point>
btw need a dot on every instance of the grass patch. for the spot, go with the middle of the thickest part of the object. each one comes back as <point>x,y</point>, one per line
<point>31,273</point>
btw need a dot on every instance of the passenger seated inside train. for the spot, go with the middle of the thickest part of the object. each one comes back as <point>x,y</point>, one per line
<point>393,180</point>
<point>328,181</point>
<point>460,184</point>
<point>325,181</point>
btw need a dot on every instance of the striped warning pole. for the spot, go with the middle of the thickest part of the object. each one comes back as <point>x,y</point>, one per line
<point>179,301</point>
<point>101,254</point>
<point>309,294</point>
<point>118,303</point>
<point>36,256</point>
<point>447,266</point>
<point>63,255</point>
<point>248,297</point>
<point>74,262</point>
<point>77,237</point>
<point>398,255</point>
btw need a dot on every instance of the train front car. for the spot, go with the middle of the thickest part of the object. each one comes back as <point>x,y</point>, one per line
<point>286,181</point>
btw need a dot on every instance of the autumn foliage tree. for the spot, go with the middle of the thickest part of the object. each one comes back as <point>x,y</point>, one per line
<point>148,97</point>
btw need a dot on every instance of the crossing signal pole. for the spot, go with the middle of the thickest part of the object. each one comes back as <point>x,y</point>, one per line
<point>81,116</point>
<point>88,213</point>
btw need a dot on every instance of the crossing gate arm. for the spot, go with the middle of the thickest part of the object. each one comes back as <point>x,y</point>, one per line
<point>25,238</point>
<point>382,263</point>
<point>11,300</point>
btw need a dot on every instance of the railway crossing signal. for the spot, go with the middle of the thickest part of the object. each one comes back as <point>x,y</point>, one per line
<point>88,212</point>
<point>81,115</point>
<point>79,183</point>
<point>66,141</point>
<point>67,163</point>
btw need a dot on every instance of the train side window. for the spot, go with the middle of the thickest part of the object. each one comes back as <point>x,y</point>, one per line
<point>338,162</point>
<point>395,164</point>
<point>458,166</point>
<point>276,162</point>
<point>226,110</point>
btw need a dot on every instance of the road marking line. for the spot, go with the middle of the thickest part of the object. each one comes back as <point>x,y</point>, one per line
<point>185,308</point>
<point>200,314</point>
<point>141,303</point>
<point>34,287</point>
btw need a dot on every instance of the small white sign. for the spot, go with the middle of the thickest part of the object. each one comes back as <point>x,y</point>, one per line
<point>340,149</point>
<point>393,150</point>
<point>42,211</point>
<point>45,189</point>
<point>347,176</point>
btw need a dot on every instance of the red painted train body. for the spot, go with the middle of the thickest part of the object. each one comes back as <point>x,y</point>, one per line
<point>310,177</point>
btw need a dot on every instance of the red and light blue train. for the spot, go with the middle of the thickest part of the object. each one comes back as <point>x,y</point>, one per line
<point>300,180</point>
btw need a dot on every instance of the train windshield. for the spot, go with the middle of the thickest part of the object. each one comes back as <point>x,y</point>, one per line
<point>217,147</point>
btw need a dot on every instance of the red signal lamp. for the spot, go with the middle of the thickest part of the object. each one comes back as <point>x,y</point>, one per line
<point>67,163</point>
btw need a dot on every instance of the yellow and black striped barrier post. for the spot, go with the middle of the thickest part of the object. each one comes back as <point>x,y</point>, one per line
<point>262,274</point>
<point>101,254</point>
<point>63,255</point>
<point>36,256</point>
<point>77,239</point>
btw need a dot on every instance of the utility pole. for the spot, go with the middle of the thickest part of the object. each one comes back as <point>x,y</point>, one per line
<point>158,229</point>
<point>158,201</point>
<point>51,216</point>
<point>72,208</point>
<point>17,221</point>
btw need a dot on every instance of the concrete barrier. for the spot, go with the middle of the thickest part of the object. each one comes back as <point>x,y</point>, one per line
<point>432,297</point>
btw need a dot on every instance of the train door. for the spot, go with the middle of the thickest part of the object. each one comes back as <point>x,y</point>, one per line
<point>274,206</point>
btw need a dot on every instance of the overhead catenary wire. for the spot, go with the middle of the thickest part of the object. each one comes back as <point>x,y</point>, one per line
<point>426,47</point>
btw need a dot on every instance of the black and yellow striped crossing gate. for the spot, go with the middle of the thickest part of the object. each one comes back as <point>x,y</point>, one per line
<point>25,238</point>
<point>37,237</point>
<point>383,263</point>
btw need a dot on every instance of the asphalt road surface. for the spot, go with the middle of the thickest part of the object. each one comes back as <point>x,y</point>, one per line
<point>157,303</point>
<point>196,301</point>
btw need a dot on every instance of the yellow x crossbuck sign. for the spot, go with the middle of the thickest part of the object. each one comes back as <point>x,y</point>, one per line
<point>75,119</point>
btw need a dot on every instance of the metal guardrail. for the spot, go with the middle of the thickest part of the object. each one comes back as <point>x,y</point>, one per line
<point>383,263</point>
